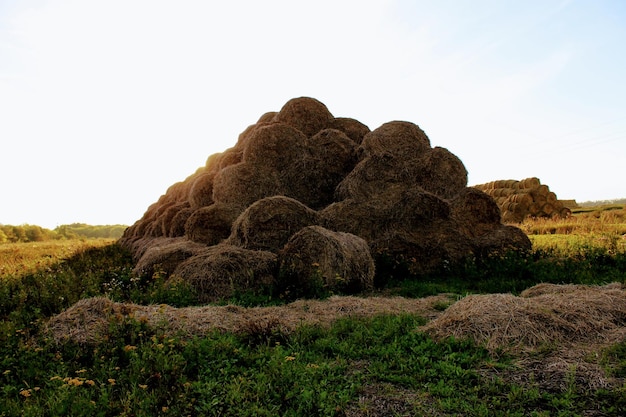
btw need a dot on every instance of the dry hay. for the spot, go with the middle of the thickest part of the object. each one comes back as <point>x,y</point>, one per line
<point>369,178</point>
<point>275,146</point>
<point>501,240</point>
<point>387,186</point>
<point>242,184</point>
<point>270,222</point>
<point>308,115</point>
<point>220,271</point>
<point>318,257</point>
<point>398,139</point>
<point>440,172</point>
<point>166,219</point>
<point>201,191</point>
<point>330,156</point>
<point>210,225</point>
<point>395,208</point>
<point>475,212</point>
<point>555,315</point>
<point>89,320</point>
<point>526,198</point>
<point>177,225</point>
<point>436,170</point>
<point>165,256</point>
<point>354,129</point>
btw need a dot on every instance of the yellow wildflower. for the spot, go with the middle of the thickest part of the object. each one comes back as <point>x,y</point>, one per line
<point>290,358</point>
<point>75,382</point>
<point>25,393</point>
<point>111,381</point>
<point>90,382</point>
<point>142,386</point>
<point>129,348</point>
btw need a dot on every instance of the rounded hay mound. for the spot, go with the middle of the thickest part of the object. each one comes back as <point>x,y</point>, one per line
<point>201,191</point>
<point>164,257</point>
<point>501,240</point>
<point>210,225</point>
<point>221,271</point>
<point>275,146</point>
<point>354,129</point>
<point>242,184</point>
<point>269,223</point>
<point>388,191</point>
<point>317,259</point>
<point>330,157</point>
<point>306,114</point>
<point>504,321</point>
<point>398,138</point>
<point>475,212</point>
<point>441,172</point>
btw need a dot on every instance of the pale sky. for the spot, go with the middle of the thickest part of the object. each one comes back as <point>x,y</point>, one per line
<point>106,103</point>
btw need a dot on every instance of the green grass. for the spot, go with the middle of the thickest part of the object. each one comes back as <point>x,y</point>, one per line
<point>376,366</point>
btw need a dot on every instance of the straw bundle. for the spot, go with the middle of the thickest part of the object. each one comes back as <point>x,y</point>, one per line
<point>242,184</point>
<point>501,240</point>
<point>440,172</point>
<point>165,256</point>
<point>166,218</point>
<point>269,223</point>
<point>399,139</point>
<point>354,129</point>
<point>177,225</point>
<point>201,191</point>
<point>223,270</point>
<point>475,212</point>
<point>320,257</point>
<point>275,145</point>
<point>305,114</point>
<point>210,225</point>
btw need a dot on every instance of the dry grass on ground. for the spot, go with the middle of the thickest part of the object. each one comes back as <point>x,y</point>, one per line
<point>556,332</point>
<point>88,321</point>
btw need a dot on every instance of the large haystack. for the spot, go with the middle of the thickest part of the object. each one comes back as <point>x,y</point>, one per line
<point>389,189</point>
<point>526,198</point>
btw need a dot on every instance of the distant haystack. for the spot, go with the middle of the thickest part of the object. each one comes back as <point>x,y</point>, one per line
<point>303,193</point>
<point>526,198</point>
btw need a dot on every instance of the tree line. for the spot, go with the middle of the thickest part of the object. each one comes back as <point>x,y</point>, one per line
<point>33,233</point>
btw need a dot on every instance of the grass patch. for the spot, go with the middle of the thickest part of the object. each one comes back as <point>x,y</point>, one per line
<point>367,366</point>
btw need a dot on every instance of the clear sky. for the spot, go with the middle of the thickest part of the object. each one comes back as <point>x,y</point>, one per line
<point>106,103</point>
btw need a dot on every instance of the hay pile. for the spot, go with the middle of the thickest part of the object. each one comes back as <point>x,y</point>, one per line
<point>546,314</point>
<point>526,198</point>
<point>385,192</point>
<point>89,321</point>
